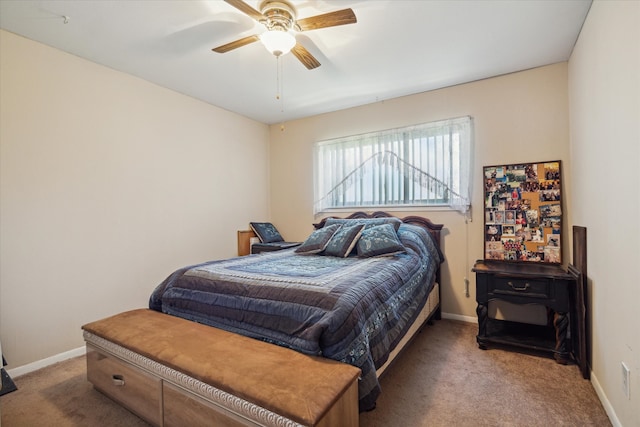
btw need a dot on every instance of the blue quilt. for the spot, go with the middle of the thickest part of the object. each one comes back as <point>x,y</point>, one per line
<point>354,310</point>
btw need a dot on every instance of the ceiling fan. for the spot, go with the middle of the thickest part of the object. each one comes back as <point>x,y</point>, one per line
<point>280,19</point>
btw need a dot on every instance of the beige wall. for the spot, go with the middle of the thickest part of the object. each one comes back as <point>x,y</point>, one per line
<point>520,117</point>
<point>604,87</point>
<point>108,183</point>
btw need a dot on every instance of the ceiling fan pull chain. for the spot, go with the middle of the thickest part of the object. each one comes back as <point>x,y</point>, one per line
<point>278,85</point>
<point>281,85</point>
<point>280,95</point>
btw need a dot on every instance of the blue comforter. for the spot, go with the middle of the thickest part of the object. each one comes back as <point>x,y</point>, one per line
<point>354,310</point>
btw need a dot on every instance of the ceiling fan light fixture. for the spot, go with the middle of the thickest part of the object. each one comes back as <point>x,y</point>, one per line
<point>278,42</point>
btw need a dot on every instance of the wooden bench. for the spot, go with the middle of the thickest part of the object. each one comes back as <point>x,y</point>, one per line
<point>172,371</point>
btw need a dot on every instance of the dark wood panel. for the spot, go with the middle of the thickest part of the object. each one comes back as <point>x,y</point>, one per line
<point>580,322</point>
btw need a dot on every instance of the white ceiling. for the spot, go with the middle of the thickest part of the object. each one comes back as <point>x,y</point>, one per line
<point>396,48</point>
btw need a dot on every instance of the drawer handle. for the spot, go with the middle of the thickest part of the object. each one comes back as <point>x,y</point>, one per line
<point>517,288</point>
<point>118,380</point>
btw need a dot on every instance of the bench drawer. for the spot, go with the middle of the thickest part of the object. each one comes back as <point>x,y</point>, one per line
<point>184,408</point>
<point>136,390</point>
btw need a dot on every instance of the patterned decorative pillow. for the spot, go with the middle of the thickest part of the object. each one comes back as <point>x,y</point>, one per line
<point>380,240</point>
<point>266,232</point>
<point>368,222</point>
<point>318,240</point>
<point>344,240</point>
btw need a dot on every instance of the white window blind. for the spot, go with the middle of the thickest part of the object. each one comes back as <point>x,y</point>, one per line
<point>423,165</point>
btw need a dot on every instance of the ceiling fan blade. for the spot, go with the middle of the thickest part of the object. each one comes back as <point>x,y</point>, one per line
<point>331,19</point>
<point>305,57</point>
<point>246,9</point>
<point>236,44</point>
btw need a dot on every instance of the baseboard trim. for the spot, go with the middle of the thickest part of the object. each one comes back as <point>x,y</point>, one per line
<point>30,367</point>
<point>611,413</point>
<point>460,317</point>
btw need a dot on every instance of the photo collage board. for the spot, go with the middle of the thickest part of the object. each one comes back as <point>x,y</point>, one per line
<point>523,212</point>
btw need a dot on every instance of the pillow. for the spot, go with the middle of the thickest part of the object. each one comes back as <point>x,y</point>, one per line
<point>368,222</point>
<point>318,240</point>
<point>266,232</point>
<point>379,240</point>
<point>344,240</point>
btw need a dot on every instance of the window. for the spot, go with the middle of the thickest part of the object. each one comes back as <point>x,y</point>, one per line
<point>423,165</point>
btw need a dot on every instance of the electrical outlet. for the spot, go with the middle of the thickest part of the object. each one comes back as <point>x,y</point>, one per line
<point>626,376</point>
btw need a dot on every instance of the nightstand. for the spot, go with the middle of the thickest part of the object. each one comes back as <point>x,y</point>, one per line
<point>525,283</point>
<point>244,241</point>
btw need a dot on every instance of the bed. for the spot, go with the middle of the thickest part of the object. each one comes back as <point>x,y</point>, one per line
<point>360,307</point>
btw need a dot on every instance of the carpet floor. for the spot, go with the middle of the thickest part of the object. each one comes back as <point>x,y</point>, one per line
<point>442,379</point>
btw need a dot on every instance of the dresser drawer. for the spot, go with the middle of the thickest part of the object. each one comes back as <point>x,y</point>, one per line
<point>520,287</point>
<point>138,391</point>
